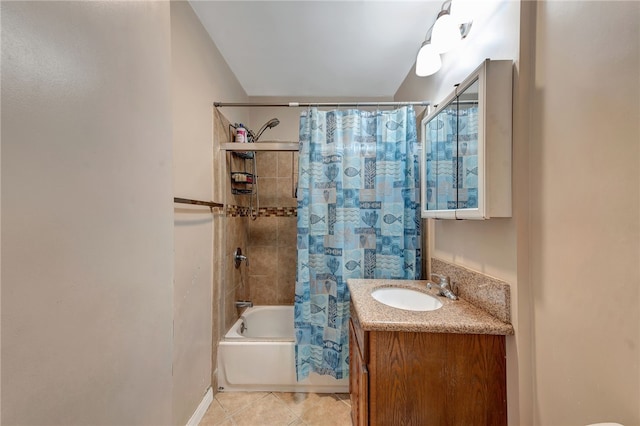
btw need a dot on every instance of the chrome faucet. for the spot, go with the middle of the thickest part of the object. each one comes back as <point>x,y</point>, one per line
<point>444,286</point>
<point>244,304</point>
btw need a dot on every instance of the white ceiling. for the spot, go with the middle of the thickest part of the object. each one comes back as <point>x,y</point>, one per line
<point>318,48</point>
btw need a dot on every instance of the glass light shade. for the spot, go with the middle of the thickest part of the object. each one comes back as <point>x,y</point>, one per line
<point>463,11</point>
<point>446,33</point>
<point>428,61</point>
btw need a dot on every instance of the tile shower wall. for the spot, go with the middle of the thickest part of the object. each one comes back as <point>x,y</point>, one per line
<point>278,174</point>
<point>272,236</point>
<point>269,242</point>
<point>236,284</point>
<point>231,231</point>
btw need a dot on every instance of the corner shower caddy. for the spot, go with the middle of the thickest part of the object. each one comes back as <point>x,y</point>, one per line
<point>244,182</point>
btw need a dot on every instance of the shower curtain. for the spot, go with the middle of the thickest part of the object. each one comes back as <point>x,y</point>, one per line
<point>358,217</point>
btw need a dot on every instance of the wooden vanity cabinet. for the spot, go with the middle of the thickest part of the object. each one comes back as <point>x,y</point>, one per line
<point>408,378</point>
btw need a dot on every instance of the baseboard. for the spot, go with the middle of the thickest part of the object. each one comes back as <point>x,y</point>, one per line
<point>202,408</point>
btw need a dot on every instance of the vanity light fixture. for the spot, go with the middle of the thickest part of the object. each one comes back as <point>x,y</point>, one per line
<point>428,61</point>
<point>446,32</point>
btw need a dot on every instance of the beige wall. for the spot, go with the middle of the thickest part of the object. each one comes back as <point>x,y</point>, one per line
<point>200,77</point>
<point>573,265</point>
<point>121,330</point>
<point>585,212</point>
<point>488,246</point>
<point>87,246</point>
<point>485,246</point>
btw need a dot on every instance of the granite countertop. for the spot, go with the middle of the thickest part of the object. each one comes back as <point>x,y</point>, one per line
<point>455,316</point>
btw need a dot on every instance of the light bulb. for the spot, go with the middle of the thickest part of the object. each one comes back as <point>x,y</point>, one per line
<point>428,61</point>
<point>462,12</point>
<point>446,33</point>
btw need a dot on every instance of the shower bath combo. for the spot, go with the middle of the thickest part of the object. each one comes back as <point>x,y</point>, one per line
<point>257,353</point>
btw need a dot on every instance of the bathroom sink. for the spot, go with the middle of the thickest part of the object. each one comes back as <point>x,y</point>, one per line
<point>404,298</point>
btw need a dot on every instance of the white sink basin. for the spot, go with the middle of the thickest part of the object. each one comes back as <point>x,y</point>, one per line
<point>404,298</point>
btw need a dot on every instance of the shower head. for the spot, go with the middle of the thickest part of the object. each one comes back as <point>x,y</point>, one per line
<point>268,125</point>
<point>272,123</point>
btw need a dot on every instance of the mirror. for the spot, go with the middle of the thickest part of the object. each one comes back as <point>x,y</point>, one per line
<point>451,156</point>
<point>467,142</point>
<point>466,155</point>
<point>441,148</point>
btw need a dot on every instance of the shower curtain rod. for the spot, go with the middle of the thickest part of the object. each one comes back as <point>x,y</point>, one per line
<point>319,104</point>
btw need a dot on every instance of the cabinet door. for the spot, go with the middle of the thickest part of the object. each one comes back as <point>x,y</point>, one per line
<point>468,179</point>
<point>466,160</point>
<point>358,383</point>
<point>440,158</point>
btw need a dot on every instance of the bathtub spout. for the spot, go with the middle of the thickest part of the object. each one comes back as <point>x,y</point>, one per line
<point>244,304</point>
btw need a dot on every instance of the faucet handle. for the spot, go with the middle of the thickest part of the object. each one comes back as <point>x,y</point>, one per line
<point>443,280</point>
<point>444,286</point>
<point>239,257</point>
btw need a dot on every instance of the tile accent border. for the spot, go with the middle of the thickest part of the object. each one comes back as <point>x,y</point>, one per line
<point>483,291</point>
<point>241,211</point>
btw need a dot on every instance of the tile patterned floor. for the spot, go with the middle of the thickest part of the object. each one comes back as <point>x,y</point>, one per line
<point>278,408</point>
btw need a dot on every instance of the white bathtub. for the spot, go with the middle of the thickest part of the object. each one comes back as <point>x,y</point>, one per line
<point>261,357</point>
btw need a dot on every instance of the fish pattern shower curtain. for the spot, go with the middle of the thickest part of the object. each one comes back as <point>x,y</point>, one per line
<point>358,217</point>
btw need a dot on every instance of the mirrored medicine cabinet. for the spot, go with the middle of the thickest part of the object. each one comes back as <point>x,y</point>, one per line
<point>466,148</point>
